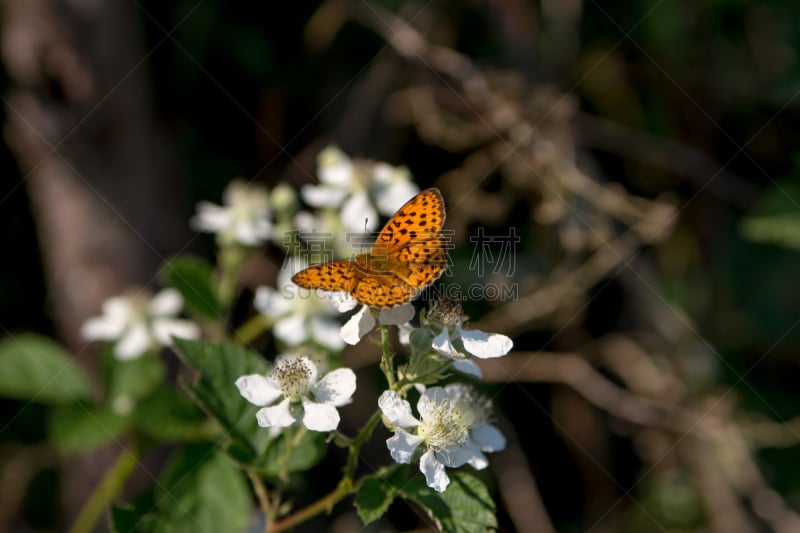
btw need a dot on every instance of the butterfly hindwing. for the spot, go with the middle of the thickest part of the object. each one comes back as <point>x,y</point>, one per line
<point>339,276</point>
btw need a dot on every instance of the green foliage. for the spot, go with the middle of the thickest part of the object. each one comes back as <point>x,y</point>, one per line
<point>166,416</point>
<point>375,493</point>
<point>199,490</point>
<point>132,380</point>
<point>218,366</point>
<point>77,427</point>
<point>38,369</point>
<point>465,507</point>
<point>193,277</point>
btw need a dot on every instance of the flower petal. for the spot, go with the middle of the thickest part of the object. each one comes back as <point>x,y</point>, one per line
<point>488,438</point>
<point>459,455</point>
<point>291,329</point>
<point>397,410</point>
<point>444,346</point>
<point>359,325</point>
<point>404,333</point>
<point>133,343</point>
<point>391,198</point>
<point>270,302</point>
<point>336,388</point>
<point>402,446</point>
<point>319,416</point>
<point>104,327</point>
<point>394,316</point>
<point>485,345</point>
<point>342,301</point>
<point>435,475</point>
<point>334,168</point>
<point>276,416</point>
<point>166,328</point>
<point>210,218</point>
<point>257,389</point>
<point>478,461</point>
<point>322,196</point>
<point>356,210</point>
<point>326,332</point>
<point>430,401</point>
<point>168,302</point>
<point>468,367</point>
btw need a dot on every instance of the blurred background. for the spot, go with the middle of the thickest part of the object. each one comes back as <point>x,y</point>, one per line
<point>644,152</point>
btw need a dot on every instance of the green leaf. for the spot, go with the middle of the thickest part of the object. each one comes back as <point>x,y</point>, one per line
<point>780,229</point>
<point>126,519</point>
<point>38,369</point>
<point>219,365</point>
<point>134,379</point>
<point>76,427</point>
<point>375,493</point>
<point>202,491</point>
<point>168,416</point>
<point>193,277</point>
<point>286,453</point>
<point>465,507</point>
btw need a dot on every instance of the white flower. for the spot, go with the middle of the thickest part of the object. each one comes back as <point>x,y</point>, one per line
<point>304,396</point>
<point>138,323</point>
<point>364,321</point>
<point>444,326</point>
<point>348,185</point>
<point>300,315</point>
<point>453,426</point>
<point>245,217</point>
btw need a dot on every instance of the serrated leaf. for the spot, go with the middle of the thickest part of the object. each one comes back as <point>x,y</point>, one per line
<point>76,427</point>
<point>202,491</point>
<point>465,507</point>
<point>219,365</point>
<point>38,369</point>
<point>166,416</point>
<point>193,277</point>
<point>376,492</point>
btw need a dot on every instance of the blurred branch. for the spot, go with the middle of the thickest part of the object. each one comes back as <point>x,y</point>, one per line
<point>518,487</point>
<point>680,159</point>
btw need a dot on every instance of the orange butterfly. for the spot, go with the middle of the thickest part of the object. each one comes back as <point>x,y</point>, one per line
<point>409,254</point>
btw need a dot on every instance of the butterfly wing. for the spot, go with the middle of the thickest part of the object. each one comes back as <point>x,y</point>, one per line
<point>420,218</point>
<point>421,262</point>
<point>339,276</point>
<point>383,291</point>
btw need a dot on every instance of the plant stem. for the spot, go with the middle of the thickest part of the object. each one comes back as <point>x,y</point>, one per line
<point>261,493</point>
<point>106,490</point>
<point>251,329</point>
<point>387,365</point>
<point>326,502</point>
<point>344,488</point>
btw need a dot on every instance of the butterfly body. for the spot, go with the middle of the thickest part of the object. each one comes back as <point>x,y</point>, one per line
<point>409,254</point>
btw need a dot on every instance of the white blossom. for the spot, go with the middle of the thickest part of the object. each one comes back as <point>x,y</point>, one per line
<point>364,321</point>
<point>244,217</point>
<point>138,323</point>
<point>350,186</point>
<point>299,315</point>
<point>453,428</point>
<point>444,324</point>
<point>293,391</point>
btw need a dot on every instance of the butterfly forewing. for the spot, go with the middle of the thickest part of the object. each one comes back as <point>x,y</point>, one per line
<point>409,254</point>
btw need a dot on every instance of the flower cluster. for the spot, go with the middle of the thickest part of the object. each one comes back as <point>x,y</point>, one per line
<point>137,322</point>
<point>452,423</point>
